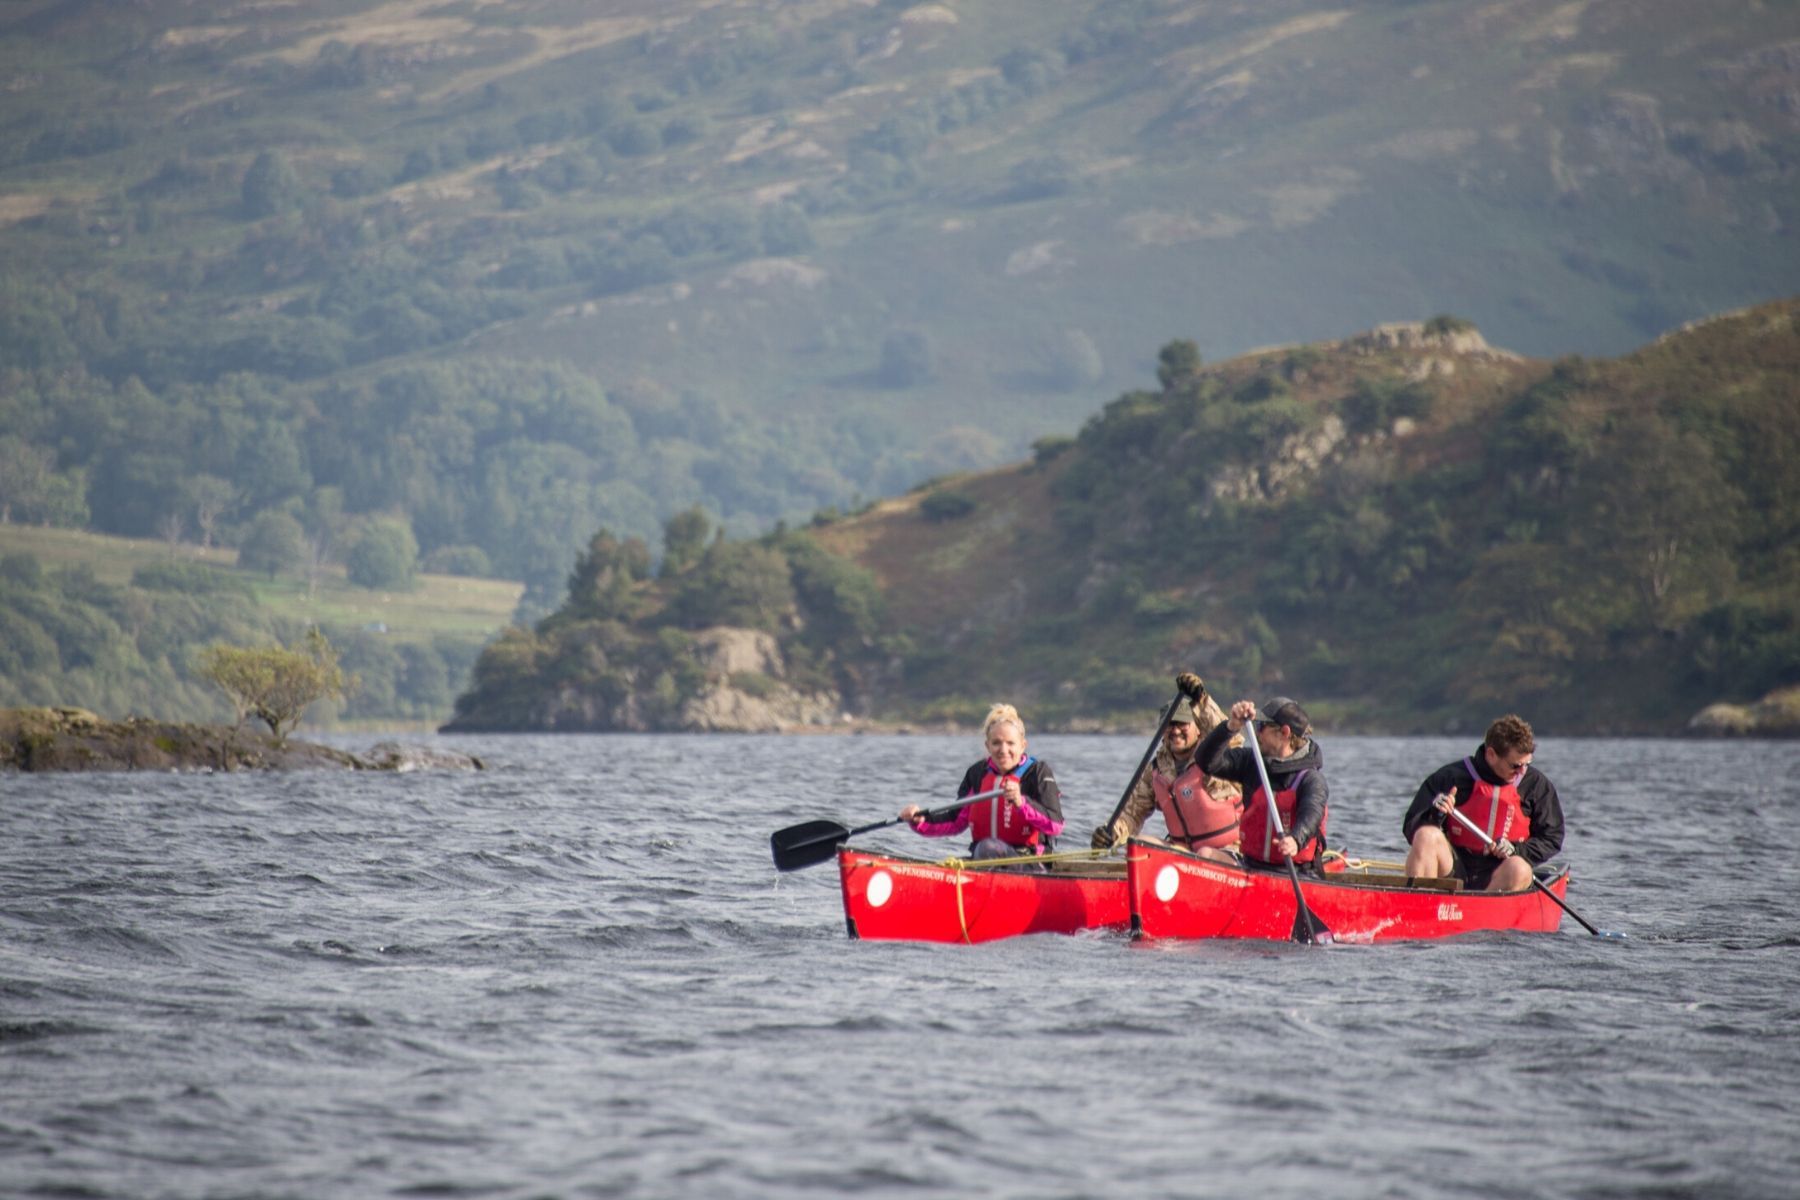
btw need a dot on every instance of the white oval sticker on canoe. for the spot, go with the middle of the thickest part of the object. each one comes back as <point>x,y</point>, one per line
<point>1167,880</point>
<point>881,886</point>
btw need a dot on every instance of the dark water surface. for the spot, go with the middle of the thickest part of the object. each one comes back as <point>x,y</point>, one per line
<point>577,974</point>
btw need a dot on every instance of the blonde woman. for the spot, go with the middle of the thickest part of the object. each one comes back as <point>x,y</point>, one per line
<point>1024,819</point>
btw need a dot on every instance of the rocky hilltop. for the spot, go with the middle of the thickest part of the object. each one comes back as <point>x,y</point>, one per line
<point>1410,528</point>
<point>73,739</point>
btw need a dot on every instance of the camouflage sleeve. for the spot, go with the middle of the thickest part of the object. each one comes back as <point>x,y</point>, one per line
<point>1139,804</point>
<point>1212,717</point>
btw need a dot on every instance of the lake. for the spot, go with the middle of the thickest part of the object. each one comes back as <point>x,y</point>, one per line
<point>577,974</point>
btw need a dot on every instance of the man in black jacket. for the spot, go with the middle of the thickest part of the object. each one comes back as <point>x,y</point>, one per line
<point>1513,804</point>
<point>1296,772</point>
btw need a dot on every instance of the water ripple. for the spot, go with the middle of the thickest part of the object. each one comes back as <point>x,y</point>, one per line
<point>550,979</point>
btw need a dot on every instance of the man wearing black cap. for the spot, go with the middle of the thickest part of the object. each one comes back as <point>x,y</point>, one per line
<point>1296,772</point>
<point>1201,812</point>
<point>1512,802</point>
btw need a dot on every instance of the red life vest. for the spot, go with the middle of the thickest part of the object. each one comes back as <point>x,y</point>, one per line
<point>1494,809</point>
<point>996,818</point>
<point>1259,830</point>
<point>1195,818</point>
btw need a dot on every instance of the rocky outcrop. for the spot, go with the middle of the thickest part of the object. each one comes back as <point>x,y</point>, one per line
<point>1290,468</point>
<point>395,756</point>
<point>1463,340</point>
<point>742,686</point>
<point>1775,715</point>
<point>747,689</point>
<point>73,739</point>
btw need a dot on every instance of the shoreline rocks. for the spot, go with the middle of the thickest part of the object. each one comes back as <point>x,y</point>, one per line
<point>74,739</point>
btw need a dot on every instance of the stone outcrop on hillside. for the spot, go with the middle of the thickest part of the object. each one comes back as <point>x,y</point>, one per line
<point>747,689</point>
<point>73,739</point>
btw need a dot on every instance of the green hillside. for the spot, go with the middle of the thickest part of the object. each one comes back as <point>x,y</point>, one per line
<point>510,273</point>
<point>1407,528</point>
<point>113,625</point>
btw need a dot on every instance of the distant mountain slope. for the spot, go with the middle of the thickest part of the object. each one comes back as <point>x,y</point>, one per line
<point>768,257</point>
<point>1409,529</point>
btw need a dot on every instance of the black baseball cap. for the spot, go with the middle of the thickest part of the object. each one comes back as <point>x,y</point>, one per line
<point>1281,710</point>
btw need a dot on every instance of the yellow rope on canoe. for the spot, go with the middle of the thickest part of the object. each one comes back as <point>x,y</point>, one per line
<point>985,864</point>
<point>1375,864</point>
<point>962,919</point>
<point>988,864</point>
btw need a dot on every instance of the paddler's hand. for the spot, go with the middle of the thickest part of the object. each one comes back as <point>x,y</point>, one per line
<point>1241,712</point>
<point>1502,848</point>
<point>1444,803</point>
<point>1287,847</point>
<point>1009,790</point>
<point>1103,838</point>
<point>912,814</point>
<point>1190,685</point>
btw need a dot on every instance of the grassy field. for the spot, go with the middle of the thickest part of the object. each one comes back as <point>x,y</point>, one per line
<point>440,605</point>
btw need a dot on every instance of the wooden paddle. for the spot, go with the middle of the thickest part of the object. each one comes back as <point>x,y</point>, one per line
<point>812,842</point>
<point>1149,753</point>
<point>1305,927</point>
<point>1539,884</point>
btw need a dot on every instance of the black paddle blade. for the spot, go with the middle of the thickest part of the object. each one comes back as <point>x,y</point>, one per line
<point>1311,932</point>
<point>806,845</point>
<point>1308,929</point>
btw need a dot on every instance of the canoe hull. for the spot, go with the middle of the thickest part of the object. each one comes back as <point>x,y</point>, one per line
<point>892,898</point>
<point>1175,894</point>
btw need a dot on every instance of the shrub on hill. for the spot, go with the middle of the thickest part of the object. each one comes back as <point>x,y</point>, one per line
<point>275,542</point>
<point>383,556</point>
<point>191,578</point>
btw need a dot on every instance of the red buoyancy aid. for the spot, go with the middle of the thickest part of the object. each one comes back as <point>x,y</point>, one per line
<point>1194,815</point>
<point>996,818</point>
<point>1259,830</point>
<point>1494,808</point>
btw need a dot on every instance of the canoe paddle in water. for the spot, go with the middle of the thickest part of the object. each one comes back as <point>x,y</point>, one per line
<point>1535,881</point>
<point>1306,928</point>
<point>812,842</point>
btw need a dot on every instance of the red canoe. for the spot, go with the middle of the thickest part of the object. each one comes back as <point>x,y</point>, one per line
<point>1175,894</point>
<point>909,899</point>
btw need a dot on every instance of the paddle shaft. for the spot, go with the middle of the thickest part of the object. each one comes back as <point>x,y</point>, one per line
<point>1541,886</point>
<point>1262,773</point>
<point>1149,753</point>
<point>813,842</point>
<point>943,814</point>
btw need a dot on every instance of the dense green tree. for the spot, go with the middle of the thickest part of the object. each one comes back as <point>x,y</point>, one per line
<point>1177,363</point>
<point>735,583</point>
<point>605,577</point>
<point>383,555</point>
<point>684,539</point>
<point>274,542</point>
